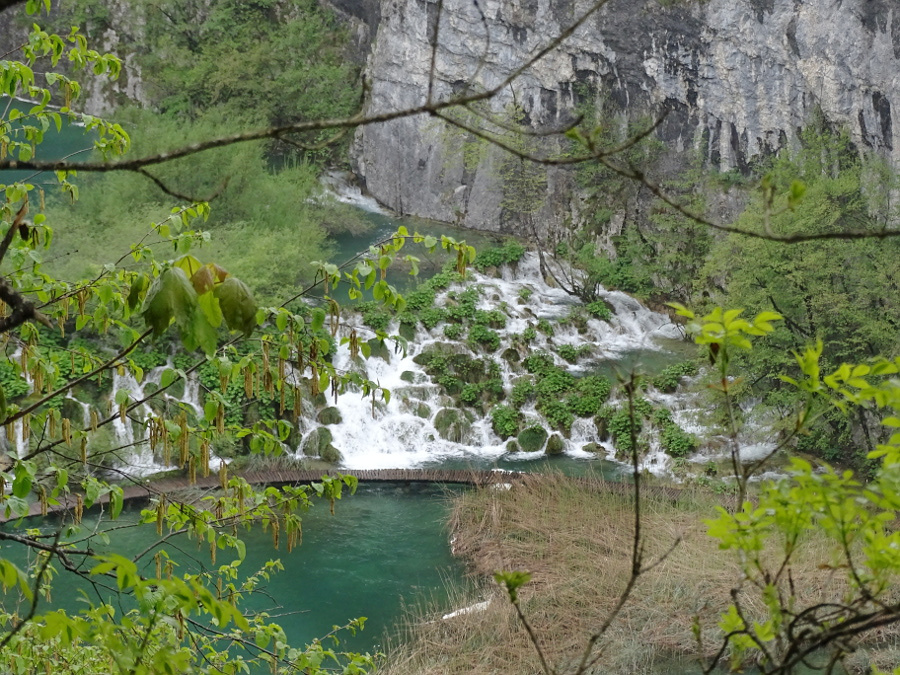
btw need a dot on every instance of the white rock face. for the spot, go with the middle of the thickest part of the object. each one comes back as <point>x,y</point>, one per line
<point>739,78</point>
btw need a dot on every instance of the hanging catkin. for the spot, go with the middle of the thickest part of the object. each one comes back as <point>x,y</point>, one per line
<point>204,457</point>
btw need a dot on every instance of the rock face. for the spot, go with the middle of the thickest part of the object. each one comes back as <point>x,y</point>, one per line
<point>738,77</point>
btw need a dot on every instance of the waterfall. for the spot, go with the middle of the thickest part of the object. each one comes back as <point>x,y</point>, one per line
<point>404,432</point>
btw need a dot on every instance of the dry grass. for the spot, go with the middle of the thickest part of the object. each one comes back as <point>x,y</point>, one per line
<point>576,540</point>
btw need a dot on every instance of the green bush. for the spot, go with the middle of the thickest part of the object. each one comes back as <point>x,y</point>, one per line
<point>599,309</point>
<point>421,298</point>
<point>620,426</point>
<point>568,352</point>
<point>480,335</point>
<point>539,363</point>
<point>453,331</point>
<point>522,391</point>
<point>557,414</point>
<point>677,442</point>
<point>505,421</point>
<point>554,385</point>
<point>669,379</point>
<point>492,318</point>
<point>594,385</point>
<point>432,316</point>
<point>470,394</point>
<point>509,253</point>
<point>374,315</point>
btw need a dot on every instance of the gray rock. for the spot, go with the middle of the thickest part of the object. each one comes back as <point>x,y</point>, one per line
<point>738,77</point>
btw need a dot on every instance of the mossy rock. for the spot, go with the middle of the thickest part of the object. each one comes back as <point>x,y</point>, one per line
<point>422,410</point>
<point>380,349</point>
<point>408,376</point>
<point>532,439</point>
<point>453,424</point>
<point>316,442</point>
<point>407,331</point>
<point>331,454</point>
<point>555,445</point>
<point>439,349</point>
<point>602,425</point>
<point>330,415</point>
<point>511,355</point>
<point>320,400</point>
<point>592,447</point>
<point>512,446</point>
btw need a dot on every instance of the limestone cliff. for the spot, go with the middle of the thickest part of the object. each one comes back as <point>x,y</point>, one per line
<point>739,78</point>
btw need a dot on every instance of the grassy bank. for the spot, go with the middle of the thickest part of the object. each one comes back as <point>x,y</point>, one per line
<point>576,540</point>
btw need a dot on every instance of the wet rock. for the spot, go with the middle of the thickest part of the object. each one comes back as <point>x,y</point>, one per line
<point>555,445</point>
<point>331,454</point>
<point>380,350</point>
<point>407,331</point>
<point>592,447</point>
<point>316,442</point>
<point>329,415</point>
<point>511,355</point>
<point>512,446</point>
<point>453,424</point>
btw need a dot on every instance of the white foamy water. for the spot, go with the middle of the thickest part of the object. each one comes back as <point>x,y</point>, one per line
<point>394,436</point>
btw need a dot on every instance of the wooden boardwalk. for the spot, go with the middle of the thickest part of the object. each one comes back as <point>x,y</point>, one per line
<point>169,486</point>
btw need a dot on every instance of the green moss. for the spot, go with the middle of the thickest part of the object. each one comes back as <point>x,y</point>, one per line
<point>532,439</point>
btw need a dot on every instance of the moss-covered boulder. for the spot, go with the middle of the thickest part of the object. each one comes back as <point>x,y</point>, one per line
<point>422,410</point>
<point>380,349</point>
<point>439,349</point>
<point>408,376</point>
<point>602,424</point>
<point>331,454</point>
<point>316,442</point>
<point>532,439</point>
<point>511,355</point>
<point>407,331</point>
<point>592,447</point>
<point>329,415</point>
<point>555,445</point>
<point>512,446</point>
<point>453,424</point>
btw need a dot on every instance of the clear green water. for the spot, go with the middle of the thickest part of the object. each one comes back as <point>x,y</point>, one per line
<point>57,144</point>
<point>385,548</point>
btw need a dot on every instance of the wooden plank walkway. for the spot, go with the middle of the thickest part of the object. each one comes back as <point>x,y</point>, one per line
<point>151,489</point>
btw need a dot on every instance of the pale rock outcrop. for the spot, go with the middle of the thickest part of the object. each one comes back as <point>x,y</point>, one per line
<point>738,77</point>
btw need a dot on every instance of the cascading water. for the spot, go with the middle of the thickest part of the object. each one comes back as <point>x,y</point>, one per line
<point>405,433</point>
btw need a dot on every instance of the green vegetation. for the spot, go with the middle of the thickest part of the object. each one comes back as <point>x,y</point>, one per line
<point>509,253</point>
<point>505,421</point>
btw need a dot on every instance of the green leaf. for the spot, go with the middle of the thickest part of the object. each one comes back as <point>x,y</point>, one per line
<point>237,304</point>
<point>138,288</point>
<point>24,477</point>
<point>170,297</point>
<point>115,500</point>
<point>318,319</point>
